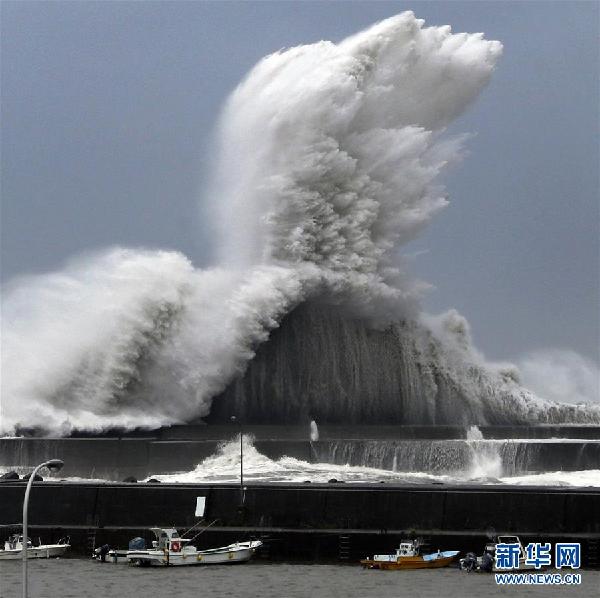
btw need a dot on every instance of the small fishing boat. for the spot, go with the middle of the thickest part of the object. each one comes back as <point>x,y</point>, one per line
<point>170,549</point>
<point>13,549</point>
<point>408,556</point>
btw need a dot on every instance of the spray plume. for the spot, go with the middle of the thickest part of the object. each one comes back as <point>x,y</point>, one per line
<point>328,162</point>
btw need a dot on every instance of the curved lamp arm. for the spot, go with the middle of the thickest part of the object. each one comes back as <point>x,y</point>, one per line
<point>53,464</point>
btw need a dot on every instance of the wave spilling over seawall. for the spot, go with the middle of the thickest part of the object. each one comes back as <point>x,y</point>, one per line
<point>373,461</point>
<point>321,364</point>
<point>552,461</point>
<point>328,161</point>
<point>482,458</point>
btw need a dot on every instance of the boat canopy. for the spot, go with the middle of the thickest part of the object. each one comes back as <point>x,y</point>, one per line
<point>169,532</point>
<point>440,555</point>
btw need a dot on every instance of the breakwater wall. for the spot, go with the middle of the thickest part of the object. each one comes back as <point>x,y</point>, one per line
<point>372,515</point>
<point>118,458</point>
<point>465,508</point>
<point>357,432</point>
<point>505,457</point>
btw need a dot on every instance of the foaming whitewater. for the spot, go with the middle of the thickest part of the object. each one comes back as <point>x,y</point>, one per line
<point>131,339</point>
<point>328,161</point>
<point>486,457</point>
<point>224,466</point>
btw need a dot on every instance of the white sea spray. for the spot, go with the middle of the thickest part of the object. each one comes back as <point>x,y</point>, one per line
<point>328,161</point>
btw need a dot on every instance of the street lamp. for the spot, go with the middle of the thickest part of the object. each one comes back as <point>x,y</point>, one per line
<point>235,420</point>
<point>52,465</point>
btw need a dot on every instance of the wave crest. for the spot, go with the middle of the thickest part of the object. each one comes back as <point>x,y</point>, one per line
<point>328,162</point>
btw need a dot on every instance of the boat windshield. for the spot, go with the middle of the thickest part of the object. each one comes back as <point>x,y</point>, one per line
<point>508,540</point>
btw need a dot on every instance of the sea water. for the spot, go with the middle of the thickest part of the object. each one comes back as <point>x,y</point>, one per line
<point>78,578</point>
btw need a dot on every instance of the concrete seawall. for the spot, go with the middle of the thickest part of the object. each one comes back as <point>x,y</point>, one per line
<point>298,514</point>
<point>361,432</point>
<point>357,506</point>
<point>118,458</point>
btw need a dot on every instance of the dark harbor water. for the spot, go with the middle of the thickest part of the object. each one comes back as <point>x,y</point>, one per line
<point>79,578</point>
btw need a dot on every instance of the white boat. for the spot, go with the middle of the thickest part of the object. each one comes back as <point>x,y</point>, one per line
<point>170,549</point>
<point>112,555</point>
<point>13,549</point>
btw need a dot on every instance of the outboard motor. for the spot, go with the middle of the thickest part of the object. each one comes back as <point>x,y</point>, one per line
<point>487,562</point>
<point>101,552</point>
<point>469,563</point>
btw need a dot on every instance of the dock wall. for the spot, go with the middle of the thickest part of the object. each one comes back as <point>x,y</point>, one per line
<point>303,506</point>
<point>310,521</point>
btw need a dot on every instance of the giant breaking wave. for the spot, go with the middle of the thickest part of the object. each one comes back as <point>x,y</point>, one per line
<point>328,162</point>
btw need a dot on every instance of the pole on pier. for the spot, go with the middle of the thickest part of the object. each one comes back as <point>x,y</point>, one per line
<point>52,465</point>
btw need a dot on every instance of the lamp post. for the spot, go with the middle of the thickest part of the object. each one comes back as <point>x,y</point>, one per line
<point>239,423</point>
<point>53,464</point>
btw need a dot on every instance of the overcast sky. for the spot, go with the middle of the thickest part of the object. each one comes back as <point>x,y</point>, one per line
<point>107,112</point>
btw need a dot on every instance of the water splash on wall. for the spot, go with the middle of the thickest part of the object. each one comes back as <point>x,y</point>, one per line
<point>314,431</point>
<point>369,462</point>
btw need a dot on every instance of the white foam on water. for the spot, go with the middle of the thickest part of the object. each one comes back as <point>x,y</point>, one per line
<point>588,477</point>
<point>224,466</point>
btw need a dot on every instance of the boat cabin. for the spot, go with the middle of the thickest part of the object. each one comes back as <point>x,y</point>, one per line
<point>14,542</point>
<point>168,539</point>
<point>407,548</point>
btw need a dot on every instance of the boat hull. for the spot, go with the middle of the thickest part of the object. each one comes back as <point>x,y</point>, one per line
<point>36,552</point>
<point>157,558</point>
<point>409,562</point>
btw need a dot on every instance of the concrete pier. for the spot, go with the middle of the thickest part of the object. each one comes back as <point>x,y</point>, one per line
<point>308,520</point>
<point>449,508</point>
